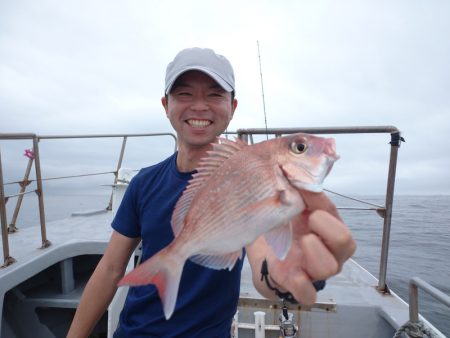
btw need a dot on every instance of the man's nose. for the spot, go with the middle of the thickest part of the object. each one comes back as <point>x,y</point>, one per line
<point>199,103</point>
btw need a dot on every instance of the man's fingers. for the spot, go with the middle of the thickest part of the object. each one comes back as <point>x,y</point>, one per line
<point>324,220</point>
<point>334,234</point>
<point>319,262</point>
<point>321,244</point>
<point>319,201</point>
<point>292,277</point>
<point>301,288</point>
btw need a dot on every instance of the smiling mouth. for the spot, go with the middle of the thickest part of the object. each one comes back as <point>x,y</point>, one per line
<point>198,123</point>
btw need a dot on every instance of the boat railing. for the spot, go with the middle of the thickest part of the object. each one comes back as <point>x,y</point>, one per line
<point>415,327</point>
<point>417,283</point>
<point>384,211</point>
<point>246,134</point>
<point>33,156</point>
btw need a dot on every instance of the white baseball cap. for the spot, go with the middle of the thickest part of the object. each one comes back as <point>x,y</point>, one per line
<point>204,60</point>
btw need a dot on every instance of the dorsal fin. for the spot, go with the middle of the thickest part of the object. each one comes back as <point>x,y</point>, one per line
<point>208,165</point>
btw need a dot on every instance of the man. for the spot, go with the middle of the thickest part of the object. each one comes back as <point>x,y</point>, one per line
<point>199,102</point>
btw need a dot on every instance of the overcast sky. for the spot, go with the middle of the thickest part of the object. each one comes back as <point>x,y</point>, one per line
<point>74,67</point>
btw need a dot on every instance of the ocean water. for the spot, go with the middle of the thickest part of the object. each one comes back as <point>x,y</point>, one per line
<point>419,247</point>
<point>419,241</point>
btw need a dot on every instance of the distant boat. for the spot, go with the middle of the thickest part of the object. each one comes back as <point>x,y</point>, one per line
<point>46,267</point>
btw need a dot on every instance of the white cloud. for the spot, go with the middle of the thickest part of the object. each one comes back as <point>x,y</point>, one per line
<point>98,67</point>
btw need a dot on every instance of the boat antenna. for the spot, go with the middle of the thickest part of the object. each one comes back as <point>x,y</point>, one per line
<point>262,91</point>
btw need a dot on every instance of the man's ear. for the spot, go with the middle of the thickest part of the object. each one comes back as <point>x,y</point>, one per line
<point>165,103</point>
<point>233,107</point>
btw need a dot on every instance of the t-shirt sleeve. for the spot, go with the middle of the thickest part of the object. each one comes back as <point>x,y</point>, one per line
<point>126,220</point>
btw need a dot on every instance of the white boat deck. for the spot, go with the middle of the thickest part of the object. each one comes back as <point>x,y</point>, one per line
<point>89,234</point>
<point>348,296</point>
<point>77,235</point>
<point>42,288</point>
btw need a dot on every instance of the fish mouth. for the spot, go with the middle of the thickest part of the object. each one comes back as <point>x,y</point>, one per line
<point>198,123</point>
<point>312,187</point>
<point>317,176</point>
<point>315,185</point>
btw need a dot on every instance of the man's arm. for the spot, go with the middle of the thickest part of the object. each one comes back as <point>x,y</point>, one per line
<point>102,285</point>
<point>321,244</point>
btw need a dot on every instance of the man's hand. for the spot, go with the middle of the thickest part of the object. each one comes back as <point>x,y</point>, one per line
<point>321,244</point>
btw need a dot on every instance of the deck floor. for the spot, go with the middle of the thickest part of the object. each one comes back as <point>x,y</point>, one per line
<point>75,235</point>
<point>79,235</point>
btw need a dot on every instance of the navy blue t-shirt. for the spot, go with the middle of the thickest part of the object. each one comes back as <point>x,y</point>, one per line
<point>207,299</point>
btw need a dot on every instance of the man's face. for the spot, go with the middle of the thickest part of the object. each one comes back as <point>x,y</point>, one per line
<point>198,109</point>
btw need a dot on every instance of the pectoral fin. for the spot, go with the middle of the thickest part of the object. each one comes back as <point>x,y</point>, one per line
<point>280,239</point>
<point>218,262</point>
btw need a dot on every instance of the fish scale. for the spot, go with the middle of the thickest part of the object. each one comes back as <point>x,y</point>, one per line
<point>239,192</point>
<point>220,213</point>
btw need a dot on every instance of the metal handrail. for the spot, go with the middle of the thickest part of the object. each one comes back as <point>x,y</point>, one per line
<point>6,257</point>
<point>45,242</point>
<point>386,213</point>
<point>39,190</point>
<point>416,283</point>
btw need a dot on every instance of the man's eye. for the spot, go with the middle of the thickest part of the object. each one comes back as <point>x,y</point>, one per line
<point>215,95</point>
<point>184,94</point>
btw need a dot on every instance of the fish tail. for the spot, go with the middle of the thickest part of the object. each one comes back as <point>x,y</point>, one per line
<point>164,271</point>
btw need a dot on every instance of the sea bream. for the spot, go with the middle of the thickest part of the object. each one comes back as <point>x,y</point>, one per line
<point>239,192</point>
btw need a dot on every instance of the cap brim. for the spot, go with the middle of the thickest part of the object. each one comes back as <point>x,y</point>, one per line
<point>224,84</point>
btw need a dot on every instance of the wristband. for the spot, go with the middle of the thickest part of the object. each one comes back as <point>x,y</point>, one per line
<point>318,285</point>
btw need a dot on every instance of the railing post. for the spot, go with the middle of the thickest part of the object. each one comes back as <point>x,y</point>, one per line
<point>260,324</point>
<point>119,165</point>
<point>395,144</point>
<point>7,259</point>
<point>243,137</point>
<point>413,302</point>
<point>12,226</point>
<point>40,192</point>
<point>417,283</point>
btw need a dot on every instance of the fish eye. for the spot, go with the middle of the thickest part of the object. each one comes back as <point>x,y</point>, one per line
<point>298,147</point>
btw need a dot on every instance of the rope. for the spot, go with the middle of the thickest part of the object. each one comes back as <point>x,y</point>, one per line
<point>415,330</point>
<point>354,199</point>
<point>62,177</point>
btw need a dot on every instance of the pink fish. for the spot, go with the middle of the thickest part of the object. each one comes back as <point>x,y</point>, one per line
<point>239,193</point>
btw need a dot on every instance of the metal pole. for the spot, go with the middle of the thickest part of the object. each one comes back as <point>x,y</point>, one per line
<point>7,259</point>
<point>119,165</point>
<point>12,226</point>
<point>395,144</point>
<point>40,192</point>
<point>413,303</point>
<point>244,137</point>
<point>414,285</point>
<point>318,130</point>
<point>262,90</point>
<point>260,324</point>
